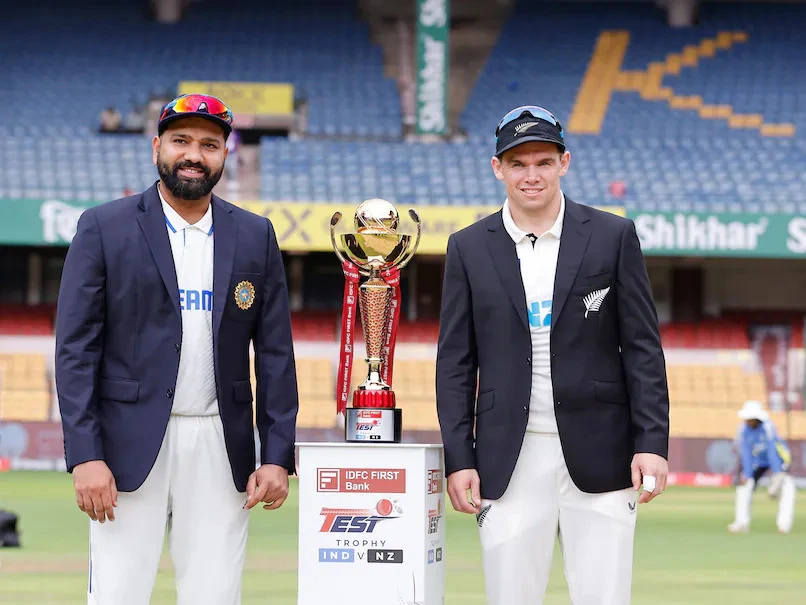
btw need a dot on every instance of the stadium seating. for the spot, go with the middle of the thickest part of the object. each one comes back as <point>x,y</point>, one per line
<point>313,326</point>
<point>708,118</point>
<point>704,399</point>
<point>669,153</point>
<point>320,46</point>
<point>713,334</point>
<point>689,152</point>
<point>351,171</point>
<point>698,120</point>
<point>26,320</point>
<point>713,386</point>
<point>79,168</point>
<point>24,388</point>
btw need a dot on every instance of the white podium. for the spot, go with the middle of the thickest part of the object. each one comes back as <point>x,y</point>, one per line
<point>371,524</point>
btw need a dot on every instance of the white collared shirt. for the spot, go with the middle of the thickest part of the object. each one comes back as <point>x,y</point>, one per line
<point>538,264</point>
<point>192,247</point>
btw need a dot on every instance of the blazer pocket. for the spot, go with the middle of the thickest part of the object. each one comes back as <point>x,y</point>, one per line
<point>485,402</point>
<point>243,298</point>
<point>589,283</point>
<point>119,389</point>
<point>242,391</point>
<point>598,274</point>
<point>611,392</point>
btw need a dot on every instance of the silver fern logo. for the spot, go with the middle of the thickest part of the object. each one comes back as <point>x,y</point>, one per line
<point>594,300</point>
<point>521,128</point>
<point>482,515</point>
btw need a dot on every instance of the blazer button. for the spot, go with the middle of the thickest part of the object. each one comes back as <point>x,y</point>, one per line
<point>529,361</point>
<point>525,408</point>
<point>176,348</point>
<point>558,403</point>
<point>170,393</point>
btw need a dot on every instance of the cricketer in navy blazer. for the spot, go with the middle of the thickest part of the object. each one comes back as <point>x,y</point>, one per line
<point>119,334</point>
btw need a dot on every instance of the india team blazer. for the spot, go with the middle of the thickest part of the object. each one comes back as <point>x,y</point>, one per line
<point>607,366</point>
<point>119,335</point>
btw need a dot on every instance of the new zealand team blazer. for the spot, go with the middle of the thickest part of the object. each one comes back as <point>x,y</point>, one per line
<point>608,369</point>
<point>119,335</point>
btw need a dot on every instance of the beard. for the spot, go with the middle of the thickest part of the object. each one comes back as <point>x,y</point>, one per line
<point>188,189</point>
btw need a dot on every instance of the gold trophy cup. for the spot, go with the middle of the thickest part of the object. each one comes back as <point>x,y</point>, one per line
<point>378,251</point>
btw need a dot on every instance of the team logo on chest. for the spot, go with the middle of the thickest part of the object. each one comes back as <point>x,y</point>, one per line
<point>244,295</point>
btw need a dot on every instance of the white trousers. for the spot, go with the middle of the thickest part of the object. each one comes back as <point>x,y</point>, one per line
<point>786,503</point>
<point>189,492</point>
<point>517,531</point>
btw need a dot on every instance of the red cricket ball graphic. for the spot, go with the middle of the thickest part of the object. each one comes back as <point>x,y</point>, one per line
<point>384,507</point>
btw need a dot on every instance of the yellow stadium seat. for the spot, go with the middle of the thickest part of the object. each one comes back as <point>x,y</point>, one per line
<point>703,422</point>
<point>316,413</point>
<point>714,386</point>
<point>24,406</point>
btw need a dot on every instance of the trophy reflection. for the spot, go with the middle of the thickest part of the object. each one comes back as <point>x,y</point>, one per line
<point>378,251</point>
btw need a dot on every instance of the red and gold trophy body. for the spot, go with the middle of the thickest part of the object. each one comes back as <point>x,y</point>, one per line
<point>378,251</point>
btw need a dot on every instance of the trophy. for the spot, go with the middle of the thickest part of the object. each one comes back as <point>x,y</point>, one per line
<point>378,251</point>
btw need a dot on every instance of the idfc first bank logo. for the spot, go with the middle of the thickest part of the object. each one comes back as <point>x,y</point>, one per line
<point>358,520</point>
<point>368,480</point>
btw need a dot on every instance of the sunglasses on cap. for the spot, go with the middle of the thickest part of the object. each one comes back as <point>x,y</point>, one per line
<point>529,110</point>
<point>196,103</point>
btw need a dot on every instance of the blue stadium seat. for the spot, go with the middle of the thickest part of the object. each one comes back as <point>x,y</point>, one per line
<point>667,158</point>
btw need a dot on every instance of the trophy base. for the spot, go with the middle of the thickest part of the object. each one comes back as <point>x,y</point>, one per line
<point>373,425</point>
<point>365,398</point>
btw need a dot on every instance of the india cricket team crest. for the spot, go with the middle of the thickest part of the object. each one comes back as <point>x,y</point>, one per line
<point>244,295</point>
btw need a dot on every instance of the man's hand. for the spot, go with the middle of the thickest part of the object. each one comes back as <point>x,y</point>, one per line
<point>96,492</point>
<point>458,484</point>
<point>649,465</point>
<point>267,484</point>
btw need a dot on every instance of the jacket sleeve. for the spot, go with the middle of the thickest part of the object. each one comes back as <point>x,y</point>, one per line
<point>457,365</point>
<point>79,342</point>
<point>275,367</point>
<point>641,350</point>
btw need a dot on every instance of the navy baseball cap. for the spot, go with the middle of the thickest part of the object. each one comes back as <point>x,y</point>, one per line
<point>200,105</point>
<point>525,124</point>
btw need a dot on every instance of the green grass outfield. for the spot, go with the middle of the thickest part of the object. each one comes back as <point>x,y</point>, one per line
<point>683,553</point>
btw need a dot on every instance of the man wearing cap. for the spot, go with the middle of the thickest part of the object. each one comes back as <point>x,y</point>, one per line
<point>162,295</point>
<point>551,383</point>
<point>762,450</point>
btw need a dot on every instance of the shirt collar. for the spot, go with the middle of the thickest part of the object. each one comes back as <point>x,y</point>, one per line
<point>517,234</point>
<point>177,223</point>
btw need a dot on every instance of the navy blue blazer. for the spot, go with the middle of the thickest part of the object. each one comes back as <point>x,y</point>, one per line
<point>608,370</point>
<point>119,335</point>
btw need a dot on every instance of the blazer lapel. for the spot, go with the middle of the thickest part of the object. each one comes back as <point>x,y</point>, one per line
<point>225,229</point>
<point>152,222</point>
<point>505,259</point>
<point>573,242</point>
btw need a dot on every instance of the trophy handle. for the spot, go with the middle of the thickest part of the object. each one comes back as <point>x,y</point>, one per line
<point>406,258</point>
<point>334,220</point>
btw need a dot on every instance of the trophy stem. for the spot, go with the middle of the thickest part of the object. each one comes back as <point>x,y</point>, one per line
<point>374,299</point>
